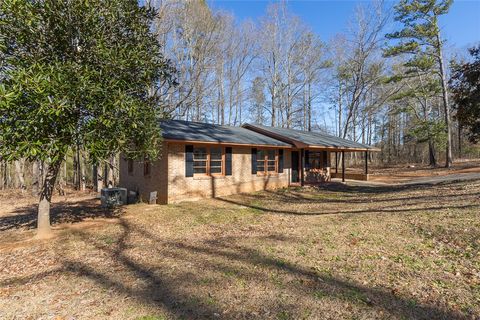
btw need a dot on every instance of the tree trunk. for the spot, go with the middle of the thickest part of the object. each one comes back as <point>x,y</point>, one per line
<point>36,178</point>
<point>309,107</point>
<point>95,178</point>
<point>273,90</point>
<point>2,174</point>
<point>82,174</point>
<point>340,110</point>
<point>43,222</point>
<point>273,108</point>
<point>448,155</point>
<point>19,179</point>
<point>111,172</point>
<point>106,183</point>
<point>78,169</point>
<point>8,179</point>
<point>459,140</point>
<point>431,153</point>
<point>61,182</point>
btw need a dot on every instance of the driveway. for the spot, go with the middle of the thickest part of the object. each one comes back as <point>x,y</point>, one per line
<point>444,178</point>
<point>417,181</point>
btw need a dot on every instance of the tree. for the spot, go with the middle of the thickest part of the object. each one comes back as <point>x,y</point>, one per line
<point>359,71</point>
<point>309,57</point>
<point>420,38</point>
<point>257,97</point>
<point>291,58</point>
<point>189,31</point>
<point>271,40</point>
<point>465,84</point>
<point>78,73</point>
<point>418,94</point>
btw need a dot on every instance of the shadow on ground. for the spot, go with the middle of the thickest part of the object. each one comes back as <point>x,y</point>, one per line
<point>338,193</point>
<point>62,212</point>
<point>353,196</point>
<point>138,253</point>
<point>163,290</point>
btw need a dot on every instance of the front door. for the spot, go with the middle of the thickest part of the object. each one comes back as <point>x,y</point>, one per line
<point>295,165</point>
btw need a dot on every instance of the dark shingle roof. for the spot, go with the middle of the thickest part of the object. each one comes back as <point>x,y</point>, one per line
<point>205,132</point>
<point>314,139</point>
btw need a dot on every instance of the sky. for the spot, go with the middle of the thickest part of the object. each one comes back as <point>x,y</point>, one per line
<point>460,27</point>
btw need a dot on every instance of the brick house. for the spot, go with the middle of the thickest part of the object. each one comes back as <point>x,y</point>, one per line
<point>200,160</point>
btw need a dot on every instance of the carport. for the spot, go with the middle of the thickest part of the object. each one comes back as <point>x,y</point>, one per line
<point>312,154</point>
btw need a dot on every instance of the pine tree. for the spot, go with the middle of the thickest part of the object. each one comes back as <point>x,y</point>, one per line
<point>420,39</point>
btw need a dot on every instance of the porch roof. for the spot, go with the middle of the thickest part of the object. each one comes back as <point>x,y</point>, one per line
<point>187,131</point>
<point>313,140</point>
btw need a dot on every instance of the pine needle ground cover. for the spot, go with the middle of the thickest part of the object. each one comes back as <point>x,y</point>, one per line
<point>335,252</point>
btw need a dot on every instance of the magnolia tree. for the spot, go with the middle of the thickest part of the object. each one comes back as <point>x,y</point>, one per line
<point>75,73</point>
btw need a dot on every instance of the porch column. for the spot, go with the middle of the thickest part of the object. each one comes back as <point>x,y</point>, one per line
<point>302,166</point>
<point>343,166</point>
<point>336,162</point>
<point>366,162</point>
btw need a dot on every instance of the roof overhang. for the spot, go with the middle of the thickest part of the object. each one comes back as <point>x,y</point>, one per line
<point>342,149</point>
<point>295,143</point>
<point>302,145</point>
<point>203,142</point>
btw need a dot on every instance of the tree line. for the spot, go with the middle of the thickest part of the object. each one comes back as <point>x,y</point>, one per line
<point>389,89</point>
<point>82,82</point>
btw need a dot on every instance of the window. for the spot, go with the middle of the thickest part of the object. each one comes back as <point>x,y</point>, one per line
<point>271,161</point>
<point>260,160</point>
<point>130,166</point>
<point>216,160</point>
<point>208,160</point>
<point>200,160</point>
<point>267,161</point>
<point>315,160</point>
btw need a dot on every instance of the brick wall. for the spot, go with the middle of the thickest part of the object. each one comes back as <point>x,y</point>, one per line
<point>168,178</point>
<point>183,188</point>
<point>155,181</point>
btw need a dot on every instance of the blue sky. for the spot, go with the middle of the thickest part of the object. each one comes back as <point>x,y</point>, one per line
<point>461,26</point>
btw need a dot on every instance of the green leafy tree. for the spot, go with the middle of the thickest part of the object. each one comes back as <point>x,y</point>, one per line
<point>78,73</point>
<point>420,39</point>
<point>465,85</point>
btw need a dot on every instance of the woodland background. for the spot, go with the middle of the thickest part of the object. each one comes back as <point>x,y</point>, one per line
<point>276,71</point>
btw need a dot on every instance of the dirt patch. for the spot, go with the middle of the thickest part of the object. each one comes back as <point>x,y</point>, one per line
<point>72,208</point>
<point>335,252</point>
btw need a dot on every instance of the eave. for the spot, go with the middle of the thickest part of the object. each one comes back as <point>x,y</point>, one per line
<point>221,143</point>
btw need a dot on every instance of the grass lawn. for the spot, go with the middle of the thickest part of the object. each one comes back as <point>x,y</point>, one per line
<point>338,252</point>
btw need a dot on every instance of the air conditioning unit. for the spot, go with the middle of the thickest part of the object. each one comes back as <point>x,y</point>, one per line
<point>111,197</point>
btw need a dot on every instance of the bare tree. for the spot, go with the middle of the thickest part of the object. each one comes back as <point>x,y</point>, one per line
<point>360,71</point>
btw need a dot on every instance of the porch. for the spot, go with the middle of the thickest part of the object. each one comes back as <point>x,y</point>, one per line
<point>312,154</point>
<point>313,166</point>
